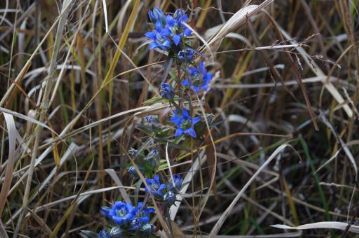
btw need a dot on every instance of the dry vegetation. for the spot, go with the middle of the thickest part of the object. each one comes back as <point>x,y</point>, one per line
<point>76,79</point>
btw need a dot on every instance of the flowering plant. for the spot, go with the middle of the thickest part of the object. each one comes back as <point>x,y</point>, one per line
<point>189,78</point>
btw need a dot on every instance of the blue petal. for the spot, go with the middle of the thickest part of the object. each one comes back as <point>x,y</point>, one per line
<point>153,45</point>
<point>176,119</point>
<point>179,132</point>
<point>166,44</point>
<point>118,220</point>
<point>187,32</point>
<point>185,114</point>
<point>176,39</point>
<point>170,21</point>
<point>196,89</point>
<point>161,189</point>
<point>165,32</point>
<point>185,83</point>
<point>151,35</point>
<point>195,120</point>
<point>202,68</point>
<point>191,132</point>
<point>105,211</point>
<point>207,77</point>
<point>156,178</point>
<point>150,210</point>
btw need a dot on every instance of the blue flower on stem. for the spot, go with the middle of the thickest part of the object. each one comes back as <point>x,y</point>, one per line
<point>184,123</point>
<point>127,217</point>
<point>131,170</point>
<point>119,213</point>
<point>176,183</point>
<point>155,187</point>
<point>165,192</point>
<point>199,79</point>
<point>186,54</point>
<point>169,30</point>
<point>166,91</point>
<point>104,234</point>
<point>150,119</point>
<point>141,217</point>
<point>169,197</point>
<point>153,154</point>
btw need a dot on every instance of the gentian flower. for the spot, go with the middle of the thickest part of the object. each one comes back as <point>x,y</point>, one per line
<point>104,234</point>
<point>131,170</point>
<point>169,30</point>
<point>165,192</point>
<point>184,123</point>
<point>152,154</point>
<point>155,187</point>
<point>150,119</point>
<point>169,197</point>
<point>199,79</point>
<point>128,218</point>
<point>132,152</point>
<point>147,229</point>
<point>177,182</point>
<point>119,213</point>
<point>141,217</point>
<point>167,91</point>
<point>186,54</point>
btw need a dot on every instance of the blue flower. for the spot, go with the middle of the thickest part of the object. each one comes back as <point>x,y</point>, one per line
<point>165,192</point>
<point>199,79</point>
<point>169,197</point>
<point>131,170</point>
<point>104,234</point>
<point>150,119</point>
<point>155,187</point>
<point>184,123</point>
<point>169,31</point>
<point>156,15</point>
<point>147,229</point>
<point>127,217</point>
<point>177,182</point>
<point>166,91</point>
<point>120,213</point>
<point>141,217</point>
<point>153,154</point>
<point>186,54</point>
<point>132,152</point>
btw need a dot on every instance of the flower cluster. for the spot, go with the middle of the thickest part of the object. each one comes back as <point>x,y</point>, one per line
<point>165,192</point>
<point>171,35</point>
<point>170,32</point>
<point>128,218</point>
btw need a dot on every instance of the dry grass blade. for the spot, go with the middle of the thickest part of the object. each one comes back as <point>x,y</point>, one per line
<point>71,151</point>
<point>186,181</point>
<point>105,14</point>
<point>227,212</point>
<point>325,79</point>
<point>26,118</point>
<point>118,182</point>
<point>342,143</point>
<point>11,129</point>
<point>3,232</point>
<point>47,87</point>
<point>322,225</point>
<point>235,21</point>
